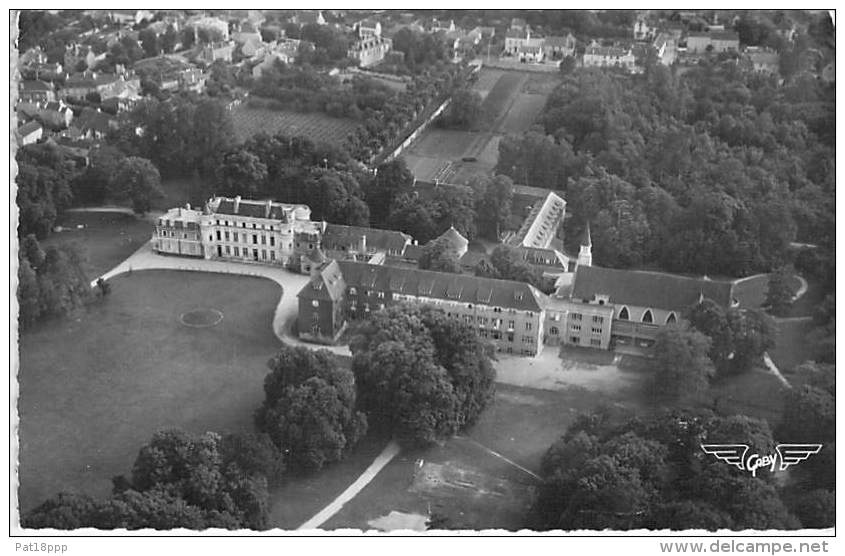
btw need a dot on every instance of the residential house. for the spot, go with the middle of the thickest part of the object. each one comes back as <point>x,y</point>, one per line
<point>209,53</point>
<point>518,24</point>
<point>367,28</point>
<point>643,30</point>
<point>666,48</point>
<point>30,133</point>
<point>213,25</point>
<point>93,124</point>
<point>762,60</point>
<point>36,91</point>
<point>361,244</point>
<point>309,17</point>
<point>370,51</point>
<point>558,48</point>
<point>609,57</point>
<point>77,55</point>
<point>55,114</point>
<point>715,42</point>
<point>249,43</point>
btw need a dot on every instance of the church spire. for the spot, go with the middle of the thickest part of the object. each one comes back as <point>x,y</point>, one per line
<point>586,241</point>
<point>585,254</point>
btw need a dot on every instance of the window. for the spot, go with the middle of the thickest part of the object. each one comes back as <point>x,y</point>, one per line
<point>623,314</point>
<point>218,233</point>
<point>272,240</point>
<point>237,251</point>
<point>528,326</point>
<point>263,239</point>
<point>226,235</point>
<point>272,255</point>
<point>575,316</point>
<point>595,342</point>
<point>255,239</point>
<point>263,254</point>
<point>575,327</point>
<point>647,316</point>
<point>510,337</point>
<point>243,238</point>
<point>553,331</point>
<point>380,295</point>
<point>671,318</point>
<point>596,330</point>
<point>511,325</point>
<point>315,303</point>
<point>575,339</point>
<point>598,319</point>
<point>353,291</point>
<point>228,250</point>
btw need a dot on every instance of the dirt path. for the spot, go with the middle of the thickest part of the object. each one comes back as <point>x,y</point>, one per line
<point>390,451</point>
<point>775,371</point>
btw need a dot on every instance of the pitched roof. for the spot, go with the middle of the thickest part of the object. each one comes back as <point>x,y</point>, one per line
<point>338,235</point>
<point>328,283</point>
<point>454,238</point>
<point>539,228</point>
<point>648,289</point>
<point>559,41</point>
<point>32,85</point>
<point>443,285</point>
<point>28,128</point>
<point>254,209</point>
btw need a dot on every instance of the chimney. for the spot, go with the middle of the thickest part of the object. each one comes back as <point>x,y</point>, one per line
<point>237,203</point>
<point>268,204</point>
<point>363,248</point>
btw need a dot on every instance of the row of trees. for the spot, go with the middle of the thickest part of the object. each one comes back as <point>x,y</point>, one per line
<point>631,473</point>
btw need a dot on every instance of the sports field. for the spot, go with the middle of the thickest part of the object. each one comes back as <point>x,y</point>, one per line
<point>512,100</point>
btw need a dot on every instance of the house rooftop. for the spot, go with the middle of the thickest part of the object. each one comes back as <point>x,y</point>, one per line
<point>655,290</point>
<point>340,236</point>
<point>443,285</point>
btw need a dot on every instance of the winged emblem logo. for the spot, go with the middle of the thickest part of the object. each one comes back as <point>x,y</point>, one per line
<point>785,455</point>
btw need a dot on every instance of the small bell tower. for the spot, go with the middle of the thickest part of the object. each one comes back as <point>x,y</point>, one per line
<point>585,255</point>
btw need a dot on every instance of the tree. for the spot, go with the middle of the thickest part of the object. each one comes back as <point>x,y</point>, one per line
<point>310,410</point>
<point>682,368</point>
<point>241,173</point>
<point>439,255</point>
<point>779,292</point>
<point>506,263</point>
<point>464,112</point>
<point>392,179</point>
<point>493,206</point>
<point>137,180</point>
<point>809,415</point>
<point>413,217</point>
<point>63,511</point>
<point>92,186</point>
<point>43,180</point>
<point>738,337</point>
<point>816,509</point>
<point>421,373</point>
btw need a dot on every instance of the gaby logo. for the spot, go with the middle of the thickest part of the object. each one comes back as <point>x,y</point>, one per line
<point>785,454</point>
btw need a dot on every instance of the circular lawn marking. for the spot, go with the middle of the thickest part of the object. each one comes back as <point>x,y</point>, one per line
<point>201,318</point>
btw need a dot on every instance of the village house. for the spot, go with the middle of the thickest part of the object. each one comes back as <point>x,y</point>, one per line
<point>643,30</point>
<point>36,91</point>
<point>609,57</point>
<point>715,42</point>
<point>367,28</point>
<point>93,124</point>
<point>762,60</point>
<point>79,56</point>
<point>370,51</point>
<point>558,48</point>
<point>212,25</point>
<point>209,53</point>
<point>666,48</point>
<point>309,17</point>
<point>29,133</point>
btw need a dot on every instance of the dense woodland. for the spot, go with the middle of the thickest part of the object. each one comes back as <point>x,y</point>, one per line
<point>713,171</point>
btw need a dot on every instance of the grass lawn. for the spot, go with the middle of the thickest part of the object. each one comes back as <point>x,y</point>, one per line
<point>756,393</point>
<point>106,239</point>
<point>791,345</point>
<point>95,387</point>
<point>471,487</point>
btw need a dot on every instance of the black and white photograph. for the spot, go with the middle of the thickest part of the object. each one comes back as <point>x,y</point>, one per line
<point>423,271</point>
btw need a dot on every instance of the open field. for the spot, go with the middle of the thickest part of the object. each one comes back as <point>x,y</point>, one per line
<point>792,346</point>
<point>95,387</point>
<point>106,239</point>
<point>314,125</point>
<point>462,480</point>
<point>512,102</point>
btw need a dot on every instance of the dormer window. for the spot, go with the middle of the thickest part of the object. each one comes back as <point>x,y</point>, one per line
<point>623,314</point>
<point>647,316</point>
<point>671,319</point>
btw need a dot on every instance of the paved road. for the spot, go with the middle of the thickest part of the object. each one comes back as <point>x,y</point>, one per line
<point>390,451</point>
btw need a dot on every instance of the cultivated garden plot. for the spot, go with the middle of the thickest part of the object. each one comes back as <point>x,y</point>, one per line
<point>314,125</point>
